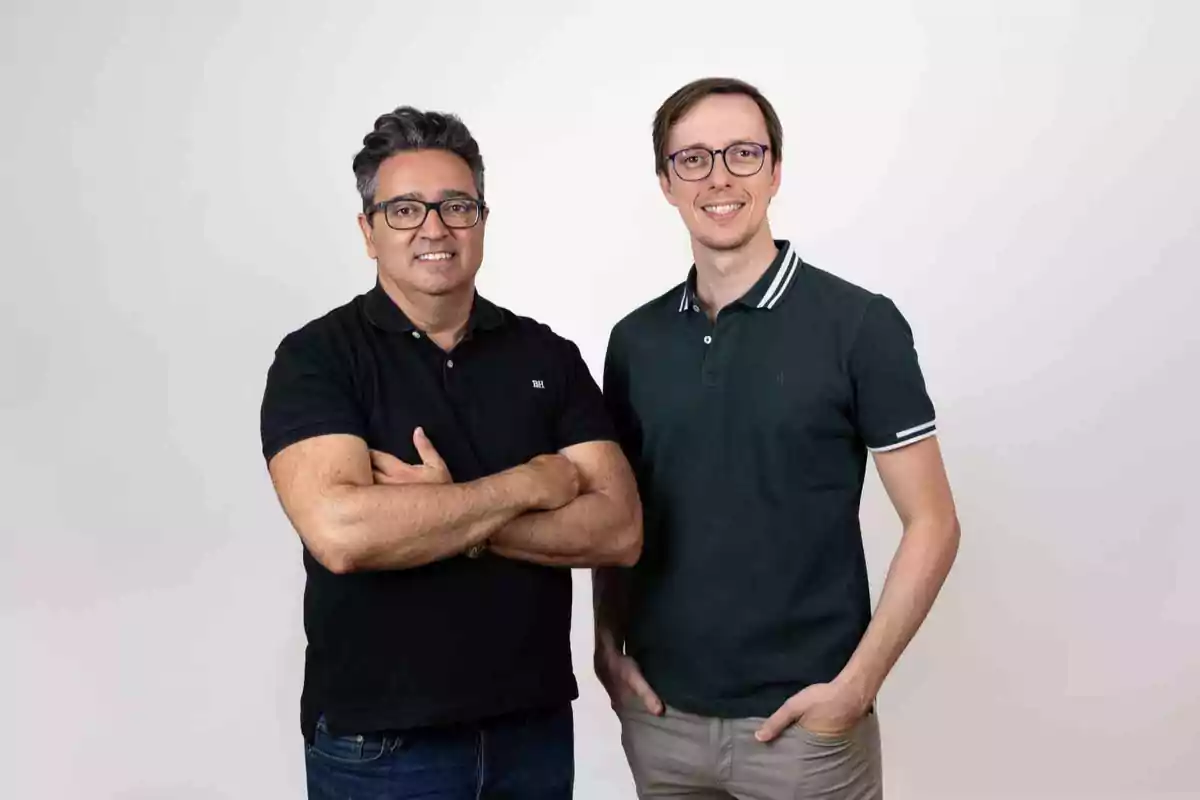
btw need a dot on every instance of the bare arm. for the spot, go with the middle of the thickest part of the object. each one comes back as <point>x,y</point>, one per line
<point>603,525</point>
<point>915,480</point>
<point>349,523</point>
<point>610,603</point>
<point>619,673</point>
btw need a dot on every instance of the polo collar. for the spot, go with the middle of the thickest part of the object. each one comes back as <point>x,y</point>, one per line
<point>383,313</point>
<point>764,294</point>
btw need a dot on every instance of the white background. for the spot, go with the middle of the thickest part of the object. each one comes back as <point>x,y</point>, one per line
<point>1021,177</point>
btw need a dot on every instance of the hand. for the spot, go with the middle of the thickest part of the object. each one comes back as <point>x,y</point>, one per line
<point>623,679</point>
<point>823,708</point>
<point>555,480</point>
<point>387,469</point>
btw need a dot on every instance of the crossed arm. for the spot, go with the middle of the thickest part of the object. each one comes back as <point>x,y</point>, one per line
<point>603,525</point>
<point>358,510</point>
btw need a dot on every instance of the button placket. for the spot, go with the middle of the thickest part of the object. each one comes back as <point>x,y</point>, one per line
<point>707,374</point>
<point>719,329</point>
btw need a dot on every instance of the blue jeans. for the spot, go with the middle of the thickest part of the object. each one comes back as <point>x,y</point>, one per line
<point>529,755</point>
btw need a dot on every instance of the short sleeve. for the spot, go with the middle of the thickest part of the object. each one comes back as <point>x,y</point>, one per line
<point>892,406</point>
<point>309,392</point>
<point>582,416</point>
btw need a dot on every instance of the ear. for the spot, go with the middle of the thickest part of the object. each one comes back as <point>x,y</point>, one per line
<point>664,183</point>
<point>776,175</point>
<point>364,224</point>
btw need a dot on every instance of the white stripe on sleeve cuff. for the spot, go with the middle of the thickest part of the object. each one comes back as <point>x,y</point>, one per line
<point>909,436</point>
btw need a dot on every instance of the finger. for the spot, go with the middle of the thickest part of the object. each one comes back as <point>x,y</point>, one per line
<point>429,454</point>
<point>638,683</point>
<point>387,468</point>
<point>393,478</point>
<point>777,723</point>
<point>386,462</point>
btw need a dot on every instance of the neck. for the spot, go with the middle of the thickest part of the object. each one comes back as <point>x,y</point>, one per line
<point>723,276</point>
<point>443,318</point>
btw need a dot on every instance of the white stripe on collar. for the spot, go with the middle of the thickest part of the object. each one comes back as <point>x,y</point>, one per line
<point>784,262</point>
<point>791,273</point>
<point>788,264</point>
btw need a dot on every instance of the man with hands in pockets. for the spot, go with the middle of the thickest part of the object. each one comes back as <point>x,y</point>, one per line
<point>740,651</point>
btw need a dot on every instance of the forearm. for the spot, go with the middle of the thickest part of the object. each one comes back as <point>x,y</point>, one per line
<point>610,605</point>
<point>380,527</point>
<point>592,530</point>
<point>918,570</point>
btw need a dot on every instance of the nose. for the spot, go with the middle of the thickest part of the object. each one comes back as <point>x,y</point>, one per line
<point>719,178</point>
<point>433,227</point>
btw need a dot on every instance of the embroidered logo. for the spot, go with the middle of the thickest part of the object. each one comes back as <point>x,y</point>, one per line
<point>539,385</point>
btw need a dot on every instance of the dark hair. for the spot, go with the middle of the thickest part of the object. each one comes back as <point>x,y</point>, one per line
<point>686,98</point>
<point>408,128</point>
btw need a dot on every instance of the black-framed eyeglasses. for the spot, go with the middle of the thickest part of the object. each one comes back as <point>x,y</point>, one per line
<point>406,214</point>
<point>742,159</point>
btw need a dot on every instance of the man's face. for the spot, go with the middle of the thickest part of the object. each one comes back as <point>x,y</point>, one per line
<point>722,211</point>
<point>433,259</point>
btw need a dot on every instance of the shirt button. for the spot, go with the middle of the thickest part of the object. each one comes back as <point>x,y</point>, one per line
<point>450,364</point>
<point>708,340</point>
<point>695,307</point>
<point>416,334</point>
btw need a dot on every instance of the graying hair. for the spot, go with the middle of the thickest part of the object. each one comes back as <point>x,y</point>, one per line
<point>408,128</point>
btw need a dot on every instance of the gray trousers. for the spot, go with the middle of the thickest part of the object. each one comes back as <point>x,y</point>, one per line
<point>686,756</point>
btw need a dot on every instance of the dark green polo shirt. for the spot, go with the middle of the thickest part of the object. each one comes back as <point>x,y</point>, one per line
<point>749,438</point>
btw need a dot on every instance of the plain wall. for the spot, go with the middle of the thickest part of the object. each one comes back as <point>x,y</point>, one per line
<point>1020,177</point>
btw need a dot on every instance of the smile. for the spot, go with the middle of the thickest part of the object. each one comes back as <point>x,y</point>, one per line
<point>723,210</point>
<point>441,256</point>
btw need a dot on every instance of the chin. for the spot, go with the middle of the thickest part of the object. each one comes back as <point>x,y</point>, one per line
<point>725,240</point>
<point>443,287</point>
<point>434,283</point>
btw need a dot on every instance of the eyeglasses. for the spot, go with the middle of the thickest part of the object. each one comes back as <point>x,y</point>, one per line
<point>407,214</point>
<point>742,159</point>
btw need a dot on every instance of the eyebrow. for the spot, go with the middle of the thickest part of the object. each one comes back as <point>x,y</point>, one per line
<point>446,194</point>
<point>743,140</point>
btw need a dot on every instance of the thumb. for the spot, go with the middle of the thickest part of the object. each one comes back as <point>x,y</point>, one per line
<point>429,454</point>
<point>637,682</point>
<point>782,719</point>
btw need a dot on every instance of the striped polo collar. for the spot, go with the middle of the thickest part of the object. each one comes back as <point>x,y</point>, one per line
<point>764,294</point>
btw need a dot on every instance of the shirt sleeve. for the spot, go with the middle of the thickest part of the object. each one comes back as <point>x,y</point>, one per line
<point>892,406</point>
<point>582,416</point>
<point>309,392</point>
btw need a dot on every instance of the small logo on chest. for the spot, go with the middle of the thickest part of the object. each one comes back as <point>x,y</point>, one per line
<point>539,385</point>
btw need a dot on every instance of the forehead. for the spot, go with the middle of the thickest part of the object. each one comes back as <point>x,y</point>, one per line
<point>718,120</point>
<point>425,172</point>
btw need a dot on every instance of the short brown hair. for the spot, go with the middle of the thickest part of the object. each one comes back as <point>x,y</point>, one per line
<point>686,98</point>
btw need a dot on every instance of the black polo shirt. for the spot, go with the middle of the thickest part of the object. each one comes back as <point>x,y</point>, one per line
<point>460,639</point>
<point>749,438</point>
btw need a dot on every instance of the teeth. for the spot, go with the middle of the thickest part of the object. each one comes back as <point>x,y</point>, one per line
<point>435,256</point>
<point>723,209</point>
